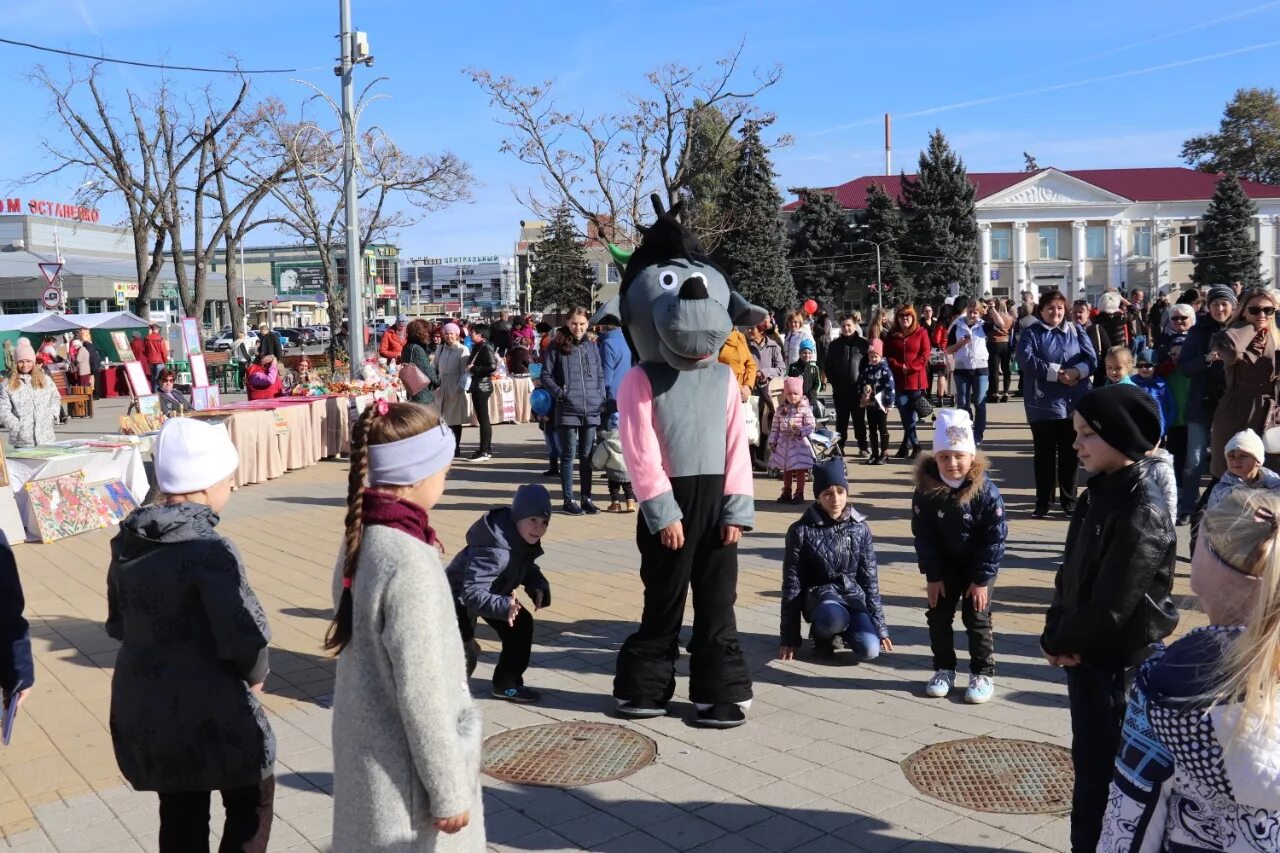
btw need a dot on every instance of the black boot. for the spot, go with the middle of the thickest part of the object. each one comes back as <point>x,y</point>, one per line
<point>904,450</point>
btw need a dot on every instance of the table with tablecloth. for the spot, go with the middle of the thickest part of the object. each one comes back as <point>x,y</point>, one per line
<point>509,402</point>
<point>315,428</point>
<point>99,465</point>
<point>112,381</point>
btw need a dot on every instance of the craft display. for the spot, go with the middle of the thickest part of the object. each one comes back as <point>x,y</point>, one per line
<point>191,336</point>
<point>199,375</point>
<point>206,398</point>
<point>123,351</point>
<point>64,506</point>
<point>149,405</point>
<point>137,378</point>
<point>114,499</point>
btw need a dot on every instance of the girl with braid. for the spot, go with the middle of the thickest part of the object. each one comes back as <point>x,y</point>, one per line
<point>406,735</point>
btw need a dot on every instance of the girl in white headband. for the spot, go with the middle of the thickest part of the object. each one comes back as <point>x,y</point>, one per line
<point>406,735</point>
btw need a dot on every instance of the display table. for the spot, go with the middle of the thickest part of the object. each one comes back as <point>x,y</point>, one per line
<point>315,428</point>
<point>99,465</point>
<point>509,402</point>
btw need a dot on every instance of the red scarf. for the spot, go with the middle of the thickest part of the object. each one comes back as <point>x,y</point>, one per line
<point>398,514</point>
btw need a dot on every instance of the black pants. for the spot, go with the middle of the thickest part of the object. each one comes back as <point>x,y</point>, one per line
<point>647,662</point>
<point>977,625</point>
<point>620,490</point>
<point>1055,461</point>
<point>480,404</point>
<point>1098,695</point>
<point>847,406</point>
<point>998,362</point>
<point>517,641</point>
<point>456,429</point>
<point>184,819</point>
<point>877,429</point>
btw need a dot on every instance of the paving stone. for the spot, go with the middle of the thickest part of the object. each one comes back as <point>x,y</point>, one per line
<point>780,832</point>
<point>592,829</point>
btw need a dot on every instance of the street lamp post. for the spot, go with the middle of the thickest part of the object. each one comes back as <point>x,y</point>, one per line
<point>355,271</point>
<point>879,274</point>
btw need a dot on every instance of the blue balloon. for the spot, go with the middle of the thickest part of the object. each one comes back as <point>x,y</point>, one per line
<point>540,401</point>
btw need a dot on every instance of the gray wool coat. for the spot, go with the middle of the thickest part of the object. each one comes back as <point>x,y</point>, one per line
<point>406,734</point>
<point>193,638</point>
<point>29,413</point>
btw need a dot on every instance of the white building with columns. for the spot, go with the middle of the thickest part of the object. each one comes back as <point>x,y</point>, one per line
<point>1086,231</point>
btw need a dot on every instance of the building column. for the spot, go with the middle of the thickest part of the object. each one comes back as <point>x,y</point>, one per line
<point>984,274</point>
<point>1117,237</point>
<point>82,306</point>
<point>1078,252</point>
<point>1020,279</point>
<point>1161,255</point>
<point>1266,234</point>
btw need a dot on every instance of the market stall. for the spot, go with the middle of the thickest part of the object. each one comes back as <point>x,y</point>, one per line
<point>97,462</point>
<point>34,327</point>
<point>509,402</point>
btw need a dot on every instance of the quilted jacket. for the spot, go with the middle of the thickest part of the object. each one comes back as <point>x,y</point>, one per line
<point>962,528</point>
<point>576,380</point>
<point>788,442</point>
<point>879,378</point>
<point>1112,601</point>
<point>1181,783</point>
<point>828,558</point>
<point>495,562</point>
<point>1042,351</point>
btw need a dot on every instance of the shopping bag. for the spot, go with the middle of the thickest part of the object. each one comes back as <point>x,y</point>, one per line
<point>751,419</point>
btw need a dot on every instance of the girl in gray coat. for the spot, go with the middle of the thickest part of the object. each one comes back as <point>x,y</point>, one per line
<point>185,720</point>
<point>29,401</point>
<point>406,735</point>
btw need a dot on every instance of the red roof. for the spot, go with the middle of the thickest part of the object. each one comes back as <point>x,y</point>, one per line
<point>1168,183</point>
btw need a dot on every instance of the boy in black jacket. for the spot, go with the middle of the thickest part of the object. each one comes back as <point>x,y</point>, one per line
<point>1111,602</point>
<point>957,519</point>
<point>502,547</point>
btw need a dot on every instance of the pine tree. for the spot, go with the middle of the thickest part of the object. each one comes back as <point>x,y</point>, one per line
<point>882,224</point>
<point>1225,250</point>
<point>561,276</point>
<point>754,251</point>
<point>709,160</point>
<point>820,237</point>
<point>942,227</point>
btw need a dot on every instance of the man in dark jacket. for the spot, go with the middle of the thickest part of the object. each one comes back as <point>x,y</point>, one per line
<point>269,342</point>
<point>1203,366</point>
<point>17,672</point>
<point>502,547</point>
<point>1111,602</point>
<point>500,333</point>
<point>843,365</point>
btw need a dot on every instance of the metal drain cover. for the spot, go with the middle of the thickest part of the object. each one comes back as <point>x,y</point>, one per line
<point>566,755</point>
<point>995,775</point>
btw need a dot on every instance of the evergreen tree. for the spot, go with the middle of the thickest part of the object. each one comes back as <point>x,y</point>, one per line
<point>561,276</point>
<point>1247,143</point>
<point>754,251</point>
<point>708,161</point>
<point>820,237</point>
<point>1225,250</point>
<point>942,227</point>
<point>882,224</point>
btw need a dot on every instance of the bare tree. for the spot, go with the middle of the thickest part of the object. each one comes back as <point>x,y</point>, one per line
<point>606,166</point>
<point>394,188</point>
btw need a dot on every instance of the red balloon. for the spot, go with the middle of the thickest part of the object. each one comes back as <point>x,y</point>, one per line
<point>810,307</point>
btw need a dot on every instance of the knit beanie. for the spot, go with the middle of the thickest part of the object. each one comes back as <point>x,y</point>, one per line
<point>531,501</point>
<point>1250,442</point>
<point>828,474</point>
<point>450,328</point>
<point>876,346</point>
<point>1221,291</point>
<point>1124,416</point>
<point>192,455</point>
<point>806,344</point>
<point>953,431</point>
<point>1145,356</point>
<point>793,383</point>
<point>24,351</point>
<point>1109,302</point>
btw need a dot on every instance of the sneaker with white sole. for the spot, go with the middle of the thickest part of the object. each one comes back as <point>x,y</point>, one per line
<point>941,683</point>
<point>981,688</point>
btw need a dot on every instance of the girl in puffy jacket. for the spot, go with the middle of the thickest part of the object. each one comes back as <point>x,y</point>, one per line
<point>830,576</point>
<point>789,449</point>
<point>573,375</point>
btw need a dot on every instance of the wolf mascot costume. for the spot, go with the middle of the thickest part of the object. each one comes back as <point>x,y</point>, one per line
<point>685,446</point>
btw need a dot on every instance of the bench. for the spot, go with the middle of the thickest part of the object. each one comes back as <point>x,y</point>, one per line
<point>78,401</point>
<point>222,371</point>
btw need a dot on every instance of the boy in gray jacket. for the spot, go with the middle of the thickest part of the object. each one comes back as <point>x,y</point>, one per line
<point>502,547</point>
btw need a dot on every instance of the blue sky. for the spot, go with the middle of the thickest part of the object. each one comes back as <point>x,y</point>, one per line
<point>1084,84</point>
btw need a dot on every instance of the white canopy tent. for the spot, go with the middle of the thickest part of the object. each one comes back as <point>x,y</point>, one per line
<point>46,323</point>
<point>109,320</point>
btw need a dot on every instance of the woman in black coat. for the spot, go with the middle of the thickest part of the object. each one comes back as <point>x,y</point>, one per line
<point>573,375</point>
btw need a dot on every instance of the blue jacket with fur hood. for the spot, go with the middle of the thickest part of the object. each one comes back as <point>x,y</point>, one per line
<point>962,528</point>
<point>829,558</point>
<point>495,562</point>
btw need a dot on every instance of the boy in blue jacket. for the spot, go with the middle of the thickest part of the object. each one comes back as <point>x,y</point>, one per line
<point>1158,387</point>
<point>502,547</point>
<point>17,673</point>
<point>830,577</point>
<point>957,519</point>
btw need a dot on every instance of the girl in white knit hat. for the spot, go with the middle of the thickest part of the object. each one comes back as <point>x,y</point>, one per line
<point>1245,457</point>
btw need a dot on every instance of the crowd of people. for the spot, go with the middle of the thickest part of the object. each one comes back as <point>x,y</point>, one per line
<point>1174,747</point>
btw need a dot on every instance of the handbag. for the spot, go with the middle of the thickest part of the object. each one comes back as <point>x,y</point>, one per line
<point>464,382</point>
<point>413,379</point>
<point>751,420</point>
<point>922,406</point>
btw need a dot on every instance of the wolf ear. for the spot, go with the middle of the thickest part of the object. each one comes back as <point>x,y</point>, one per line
<point>743,313</point>
<point>609,313</point>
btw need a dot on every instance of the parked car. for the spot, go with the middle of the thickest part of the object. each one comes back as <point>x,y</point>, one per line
<point>226,340</point>
<point>321,332</point>
<point>295,338</point>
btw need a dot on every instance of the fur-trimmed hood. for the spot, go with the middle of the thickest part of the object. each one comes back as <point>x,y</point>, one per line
<point>930,482</point>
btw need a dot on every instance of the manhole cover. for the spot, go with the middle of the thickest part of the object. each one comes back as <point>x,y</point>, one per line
<point>567,755</point>
<point>994,775</point>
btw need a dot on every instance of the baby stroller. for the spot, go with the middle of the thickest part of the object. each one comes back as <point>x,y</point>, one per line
<point>825,445</point>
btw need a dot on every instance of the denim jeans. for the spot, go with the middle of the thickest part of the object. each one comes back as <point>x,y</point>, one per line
<point>575,441</point>
<point>1193,472</point>
<point>971,390</point>
<point>831,618</point>
<point>905,403</point>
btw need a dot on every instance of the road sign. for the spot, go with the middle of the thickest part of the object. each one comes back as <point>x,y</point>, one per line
<point>50,270</point>
<point>52,297</point>
<point>320,298</point>
<point>995,275</point>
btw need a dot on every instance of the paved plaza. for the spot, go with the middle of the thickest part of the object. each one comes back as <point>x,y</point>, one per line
<point>815,768</point>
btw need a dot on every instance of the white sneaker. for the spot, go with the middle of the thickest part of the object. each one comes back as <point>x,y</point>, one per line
<point>941,683</point>
<point>981,689</point>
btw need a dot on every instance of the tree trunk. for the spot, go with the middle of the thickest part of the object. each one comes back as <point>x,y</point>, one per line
<point>231,268</point>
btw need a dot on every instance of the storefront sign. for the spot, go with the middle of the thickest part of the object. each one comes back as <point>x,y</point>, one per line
<point>58,210</point>
<point>298,279</point>
<point>127,289</point>
<point>470,259</point>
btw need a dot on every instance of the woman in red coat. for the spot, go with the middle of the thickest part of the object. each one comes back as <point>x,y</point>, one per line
<point>264,380</point>
<point>906,348</point>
